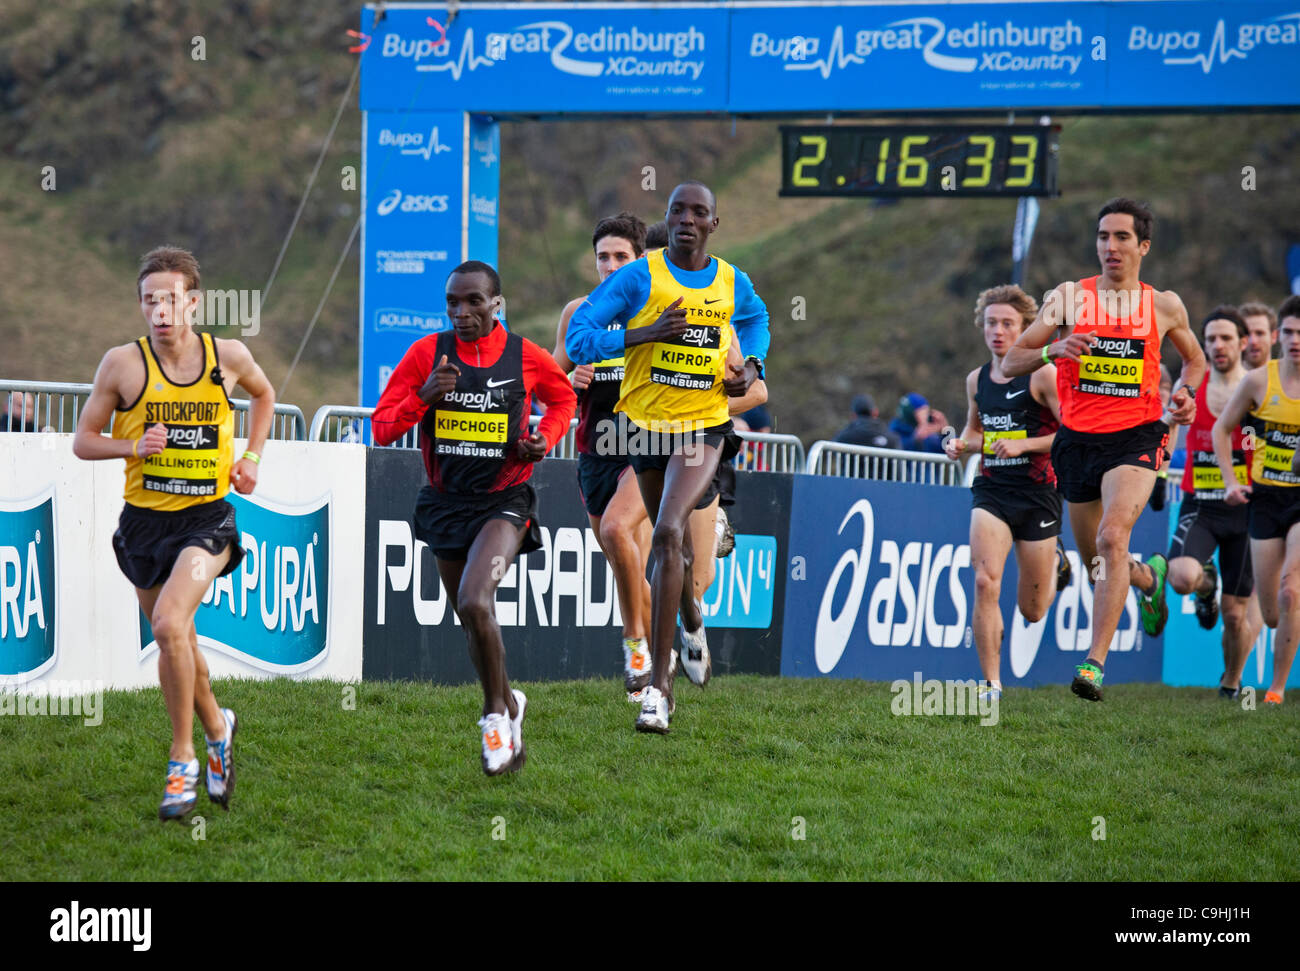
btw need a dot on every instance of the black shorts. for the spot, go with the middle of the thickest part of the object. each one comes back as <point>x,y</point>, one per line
<point>653,450</point>
<point>1082,458</point>
<point>598,479</point>
<point>1206,525</point>
<point>1273,511</point>
<point>449,523</point>
<point>148,541</point>
<point>1032,512</point>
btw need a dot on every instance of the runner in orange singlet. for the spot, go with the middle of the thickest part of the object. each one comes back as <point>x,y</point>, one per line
<point>1104,335</point>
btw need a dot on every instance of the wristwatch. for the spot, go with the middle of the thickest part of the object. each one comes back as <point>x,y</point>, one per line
<point>1190,390</point>
<point>758,365</point>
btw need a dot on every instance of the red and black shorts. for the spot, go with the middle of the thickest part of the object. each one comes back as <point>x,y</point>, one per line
<point>1081,459</point>
<point>450,523</point>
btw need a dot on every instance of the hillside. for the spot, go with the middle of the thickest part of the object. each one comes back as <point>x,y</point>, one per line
<point>149,146</point>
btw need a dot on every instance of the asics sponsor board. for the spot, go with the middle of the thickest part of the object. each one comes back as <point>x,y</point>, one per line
<point>1196,655</point>
<point>292,608</point>
<point>558,607</point>
<point>880,585</point>
<point>789,57</point>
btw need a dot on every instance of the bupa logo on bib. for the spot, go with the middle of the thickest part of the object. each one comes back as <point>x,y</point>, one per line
<point>273,611</point>
<point>27,587</point>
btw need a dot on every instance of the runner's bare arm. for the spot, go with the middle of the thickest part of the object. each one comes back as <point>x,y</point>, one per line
<point>1247,396</point>
<point>1043,387</point>
<point>1026,355</point>
<point>971,438</point>
<point>1182,404</point>
<point>105,396</point>
<point>561,331</point>
<point>757,392</point>
<point>239,367</point>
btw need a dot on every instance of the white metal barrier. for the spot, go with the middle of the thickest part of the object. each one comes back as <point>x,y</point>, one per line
<point>57,407</point>
<point>769,452</point>
<point>348,423</point>
<point>869,462</point>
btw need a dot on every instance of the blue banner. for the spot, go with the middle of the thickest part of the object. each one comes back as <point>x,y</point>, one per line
<point>28,591</point>
<point>881,586</point>
<point>273,610</point>
<point>546,58</point>
<point>482,207</point>
<point>1197,659</point>
<point>773,57</point>
<point>412,237</point>
<point>744,588</point>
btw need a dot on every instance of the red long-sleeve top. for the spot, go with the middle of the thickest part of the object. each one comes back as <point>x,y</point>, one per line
<point>400,408</point>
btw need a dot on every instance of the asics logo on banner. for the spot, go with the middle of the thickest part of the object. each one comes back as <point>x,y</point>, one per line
<point>1280,31</point>
<point>1001,47</point>
<point>1013,394</point>
<point>833,630</point>
<point>410,203</point>
<point>478,400</point>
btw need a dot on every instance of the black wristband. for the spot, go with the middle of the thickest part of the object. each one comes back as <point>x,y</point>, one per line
<point>758,365</point>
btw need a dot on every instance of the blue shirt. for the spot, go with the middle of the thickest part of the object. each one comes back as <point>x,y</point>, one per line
<point>624,294</point>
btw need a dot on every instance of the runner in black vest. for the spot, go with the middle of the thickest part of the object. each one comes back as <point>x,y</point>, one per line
<point>1011,422</point>
<point>478,510</point>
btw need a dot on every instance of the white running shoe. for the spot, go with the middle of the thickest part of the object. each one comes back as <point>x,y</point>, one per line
<point>726,534</point>
<point>637,664</point>
<point>221,762</point>
<point>654,712</point>
<point>696,661</point>
<point>498,743</point>
<point>517,729</point>
<point>179,796</point>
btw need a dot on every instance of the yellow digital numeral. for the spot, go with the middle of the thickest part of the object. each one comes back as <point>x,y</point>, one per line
<point>919,167</point>
<point>798,178</point>
<point>985,162</point>
<point>880,165</point>
<point>1026,162</point>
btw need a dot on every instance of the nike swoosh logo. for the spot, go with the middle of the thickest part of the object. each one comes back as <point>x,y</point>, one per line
<point>497,384</point>
<point>715,300</point>
<point>1012,394</point>
<point>1046,524</point>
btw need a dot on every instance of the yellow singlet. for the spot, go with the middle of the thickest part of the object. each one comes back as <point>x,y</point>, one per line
<point>668,385</point>
<point>194,468</point>
<point>1278,428</point>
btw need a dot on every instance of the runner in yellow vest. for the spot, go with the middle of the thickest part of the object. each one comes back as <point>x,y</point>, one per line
<point>169,397</point>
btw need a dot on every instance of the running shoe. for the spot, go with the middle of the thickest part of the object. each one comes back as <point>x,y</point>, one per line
<point>726,535</point>
<point>1064,572</point>
<point>696,661</point>
<point>1272,698</point>
<point>498,743</point>
<point>1230,693</point>
<point>221,762</point>
<point>990,693</point>
<point>1207,605</point>
<point>517,730</point>
<point>1087,681</point>
<point>1155,610</point>
<point>637,666</point>
<point>638,696</point>
<point>654,712</point>
<point>181,793</point>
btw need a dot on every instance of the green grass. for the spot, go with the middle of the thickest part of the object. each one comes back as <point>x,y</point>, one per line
<point>1191,788</point>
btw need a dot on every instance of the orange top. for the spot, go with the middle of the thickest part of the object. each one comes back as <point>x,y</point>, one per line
<point>1117,385</point>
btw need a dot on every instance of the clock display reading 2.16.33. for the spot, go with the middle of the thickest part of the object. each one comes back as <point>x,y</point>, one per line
<point>919,160</point>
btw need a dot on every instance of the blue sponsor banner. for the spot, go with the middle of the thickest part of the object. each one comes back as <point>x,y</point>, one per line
<point>482,208</point>
<point>743,590</point>
<point>1195,656</point>
<point>414,200</point>
<point>273,611</point>
<point>546,58</point>
<point>916,56</point>
<point>28,591</point>
<point>881,586</point>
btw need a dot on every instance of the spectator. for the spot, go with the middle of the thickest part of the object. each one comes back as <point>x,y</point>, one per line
<point>919,427</point>
<point>867,428</point>
<point>21,413</point>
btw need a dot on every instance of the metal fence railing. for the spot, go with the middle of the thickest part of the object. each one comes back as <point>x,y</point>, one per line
<point>349,423</point>
<point>868,462</point>
<point>769,452</point>
<point>56,406</point>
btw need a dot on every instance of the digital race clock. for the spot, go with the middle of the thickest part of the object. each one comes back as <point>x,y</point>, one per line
<point>919,160</point>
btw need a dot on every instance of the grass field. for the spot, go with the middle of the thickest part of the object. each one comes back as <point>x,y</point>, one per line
<point>1191,788</point>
